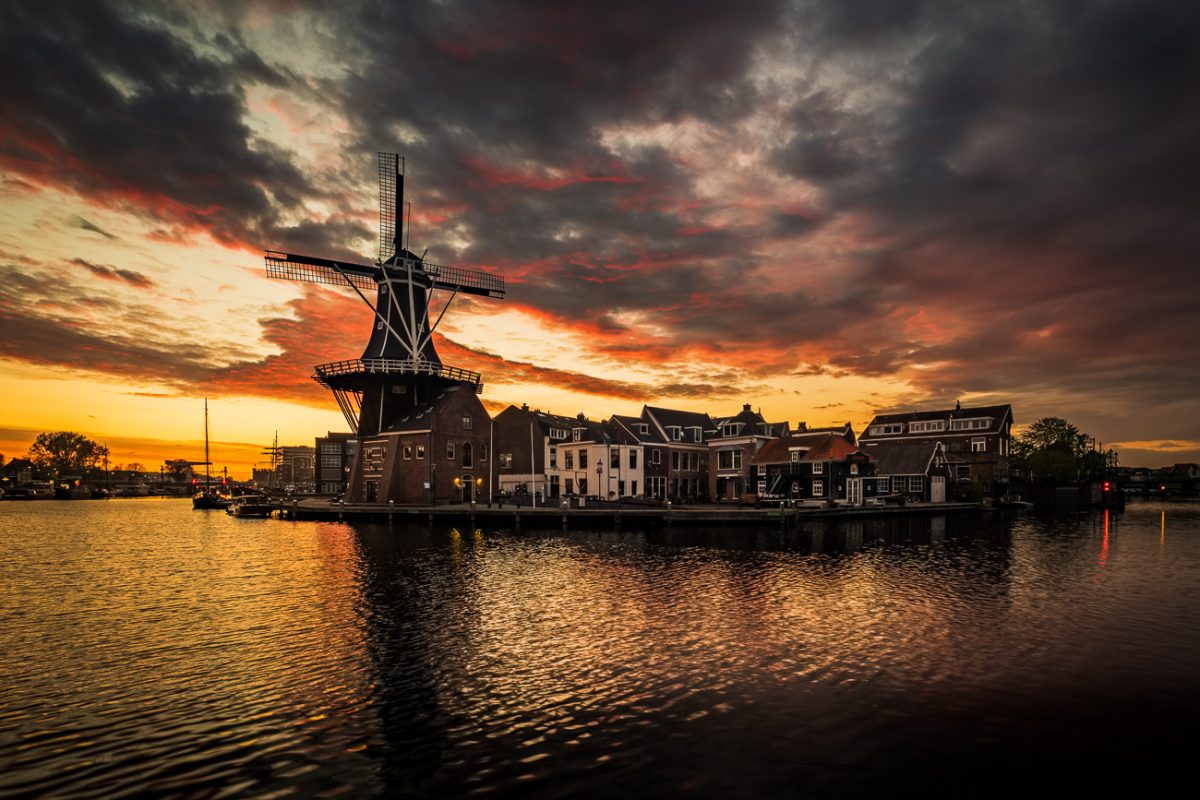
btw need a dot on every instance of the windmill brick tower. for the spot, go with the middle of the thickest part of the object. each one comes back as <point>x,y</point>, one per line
<point>422,432</point>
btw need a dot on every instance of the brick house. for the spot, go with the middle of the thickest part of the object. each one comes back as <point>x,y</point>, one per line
<point>735,442</point>
<point>436,451</point>
<point>976,440</point>
<point>685,455</point>
<point>655,453</point>
<point>919,470</point>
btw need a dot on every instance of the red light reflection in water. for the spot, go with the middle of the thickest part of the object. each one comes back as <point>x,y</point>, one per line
<point>1104,543</point>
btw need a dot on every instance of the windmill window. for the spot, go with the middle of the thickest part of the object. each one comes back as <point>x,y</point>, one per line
<point>450,450</point>
<point>408,452</point>
<point>466,422</point>
<point>379,325</point>
<point>854,469</point>
<point>420,451</point>
<point>467,462</point>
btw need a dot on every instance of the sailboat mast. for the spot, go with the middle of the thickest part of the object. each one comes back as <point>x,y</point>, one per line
<point>207,477</point>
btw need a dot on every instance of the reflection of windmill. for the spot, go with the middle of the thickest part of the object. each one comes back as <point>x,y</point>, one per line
<point>399,371</point>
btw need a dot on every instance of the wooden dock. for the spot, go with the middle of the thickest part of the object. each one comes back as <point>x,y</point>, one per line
<point>608,517</point>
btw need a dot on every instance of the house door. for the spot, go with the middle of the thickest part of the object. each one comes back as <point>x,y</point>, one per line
<point>854,491</point>
<point>937,489</point>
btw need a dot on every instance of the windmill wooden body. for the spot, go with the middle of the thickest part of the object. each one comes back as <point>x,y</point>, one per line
<point>399,380</point>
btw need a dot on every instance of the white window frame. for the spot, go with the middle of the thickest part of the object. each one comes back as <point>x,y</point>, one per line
<point>916,484</point>
<point>818,488</point>
<point>818,468</point>
<point>979,445</point>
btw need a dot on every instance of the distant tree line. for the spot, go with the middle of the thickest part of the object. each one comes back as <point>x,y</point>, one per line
<point>66,453</point>
<point>1054,450</point>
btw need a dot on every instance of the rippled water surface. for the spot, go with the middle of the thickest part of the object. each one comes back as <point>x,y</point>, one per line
<point>151,649</point>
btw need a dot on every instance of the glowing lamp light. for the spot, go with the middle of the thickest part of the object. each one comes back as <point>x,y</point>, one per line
<point>1107,486</point>
<point>458,481</point>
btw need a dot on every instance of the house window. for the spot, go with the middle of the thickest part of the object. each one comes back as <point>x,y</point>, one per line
<point>933,426</point>
<point>450,450</point>
<point>887,430</point>
<point>674,459</point>
<point>466,422</point>
<point>693,461</point>
<point>633,488</point>
<point>576,434</point>
<point>762,469</point>
<point>633,460</point>
<point>729,459</point>
<point>854,469</point>
<point>696,435</point>
<point>881,486</point>
<point>794,456</point>
<point>731,429</point>
<point>483,452</point>
<point>656,456</point>
<point>916,484</point>
<point>408,452</point>
<point>762,487</point>
<point>506,461</point>
<point>568,459</point>
<point>570,484</point>
<point>643,428</point>
<point>818,488</point>
<point>420,451</point>
<point>897,484</point>
<point>554,486</point>
<point>583,459</point>
<point>583,485</point>
<point>971,424</point>
<point>818,468</point>
<point>558,433</point>
<point>675,431</point>
<point>467,460</point>
<point>553,458</point>
<point>979,445</point>
<point>614,458</point>
<point>962,471</point>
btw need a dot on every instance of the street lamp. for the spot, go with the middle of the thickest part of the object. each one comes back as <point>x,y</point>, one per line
<point>599,469</point>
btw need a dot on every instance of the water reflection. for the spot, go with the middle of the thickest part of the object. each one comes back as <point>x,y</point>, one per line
<point>860,655</point>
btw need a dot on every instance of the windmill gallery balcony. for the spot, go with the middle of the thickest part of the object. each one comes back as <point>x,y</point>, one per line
<point>328,374</point>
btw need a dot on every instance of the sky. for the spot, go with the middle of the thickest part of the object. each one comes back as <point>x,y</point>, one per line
<point>824,209</point>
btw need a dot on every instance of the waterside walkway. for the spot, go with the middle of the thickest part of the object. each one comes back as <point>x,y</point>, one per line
<point>609,516</point>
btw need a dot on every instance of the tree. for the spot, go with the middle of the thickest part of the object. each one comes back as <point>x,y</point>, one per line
<point>1053,449</point>
<point>65,452</point>
<point>135,466</point>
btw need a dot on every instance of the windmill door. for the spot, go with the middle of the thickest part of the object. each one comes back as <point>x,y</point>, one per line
<point>854,491</point>
<point>937,489</point>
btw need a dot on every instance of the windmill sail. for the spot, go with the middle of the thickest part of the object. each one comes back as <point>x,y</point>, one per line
<point>319,270</point>
<point>391,189</point>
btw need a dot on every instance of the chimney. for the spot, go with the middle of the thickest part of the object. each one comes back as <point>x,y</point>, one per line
<point>524,406</point>
<point>958,405</point>
<point>581,417</point>
<point>801,426</point>
<point>745,406</point>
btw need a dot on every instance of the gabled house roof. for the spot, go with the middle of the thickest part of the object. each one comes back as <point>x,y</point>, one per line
<point>630,426</point>
<point>543,420</point>
<point>904,458</point>
<point>753,423</point>
<point>831,448</point>
<point>778,451</point>
<point>421,417</point>
<point>997,414</point>
<point>666,418</point>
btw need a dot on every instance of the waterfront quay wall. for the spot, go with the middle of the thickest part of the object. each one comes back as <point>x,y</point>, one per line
<point>633,517</point>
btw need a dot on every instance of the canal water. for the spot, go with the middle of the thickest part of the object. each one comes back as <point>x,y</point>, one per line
<point>152,650</point>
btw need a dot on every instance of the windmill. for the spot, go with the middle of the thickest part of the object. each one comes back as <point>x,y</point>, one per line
<point>399,369</point>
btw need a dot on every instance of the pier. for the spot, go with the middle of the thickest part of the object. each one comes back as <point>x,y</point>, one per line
<point>609,517</point>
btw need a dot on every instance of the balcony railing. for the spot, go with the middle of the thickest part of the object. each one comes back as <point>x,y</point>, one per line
<point>392,366</point>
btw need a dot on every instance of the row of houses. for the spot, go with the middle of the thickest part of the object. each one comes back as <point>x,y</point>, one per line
<point>451,450</point>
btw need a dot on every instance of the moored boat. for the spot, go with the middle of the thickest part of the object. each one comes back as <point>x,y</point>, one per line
<point>251,505</point>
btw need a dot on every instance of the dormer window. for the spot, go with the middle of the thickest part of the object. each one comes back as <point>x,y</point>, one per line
<point>930,426</point>
<point>697,434</point>
<point>642,428</point>
<point>731,429</point>
<point>970,424</point>
<point>558,433</point>
<point>795,456</point>
<point>887,430</point>
<point>577,435</point>
<point>676,432</point>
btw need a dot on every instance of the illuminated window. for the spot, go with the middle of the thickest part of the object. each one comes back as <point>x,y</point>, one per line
<point>407,452</point>
<point>420,451</point>
<point>506,461</point>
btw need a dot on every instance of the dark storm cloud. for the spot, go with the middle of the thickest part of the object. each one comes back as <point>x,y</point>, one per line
<point>126,276</point>
<point>113,105</point>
